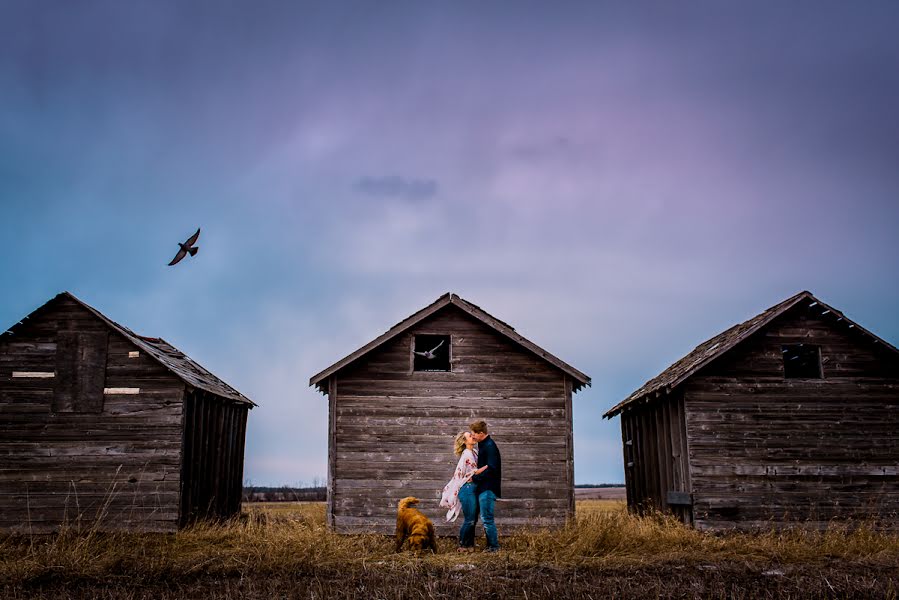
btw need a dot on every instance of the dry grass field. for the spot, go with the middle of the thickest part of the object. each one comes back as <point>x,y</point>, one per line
<point>603,493</point>
<point>284,550</point>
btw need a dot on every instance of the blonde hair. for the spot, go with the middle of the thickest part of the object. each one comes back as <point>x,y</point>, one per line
<point>459,443</point>
<point>478,427</point>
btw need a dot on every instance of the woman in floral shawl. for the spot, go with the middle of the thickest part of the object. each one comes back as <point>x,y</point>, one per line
<point>459,493</point>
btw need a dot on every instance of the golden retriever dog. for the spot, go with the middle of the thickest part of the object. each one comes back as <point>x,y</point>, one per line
<point>412,524</point>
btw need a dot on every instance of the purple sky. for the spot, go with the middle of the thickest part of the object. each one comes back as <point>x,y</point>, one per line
<point>619,181</point>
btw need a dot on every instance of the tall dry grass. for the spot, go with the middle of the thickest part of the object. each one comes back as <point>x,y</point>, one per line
<point>290,540</point>
<point>610,537</point>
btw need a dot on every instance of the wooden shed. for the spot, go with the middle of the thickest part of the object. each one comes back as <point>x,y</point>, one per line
<point>393,415</point>
<point>101,426</point>
<point>791,417</point>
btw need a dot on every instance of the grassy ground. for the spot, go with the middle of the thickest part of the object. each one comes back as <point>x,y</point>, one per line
<point>285,550</point>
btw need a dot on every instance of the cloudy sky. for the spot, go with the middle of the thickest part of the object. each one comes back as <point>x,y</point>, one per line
<point>619,181</point>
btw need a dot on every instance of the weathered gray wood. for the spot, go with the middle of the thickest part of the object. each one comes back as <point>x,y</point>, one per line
<point>391,429</point>
<point>630,467</point>
<point>752,446</point>
<point>214,455</point>
<point>423,322</point>
<point>66,380</point>
<point>522,454</point>
<point>67,450</point>
<point>332,448</point>
<point>765,449</point>
<point>91,371</point>
<point>678,498</point>
<point>569,443</point>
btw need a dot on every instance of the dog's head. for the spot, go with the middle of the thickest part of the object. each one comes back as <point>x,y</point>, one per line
<point>418,542</point>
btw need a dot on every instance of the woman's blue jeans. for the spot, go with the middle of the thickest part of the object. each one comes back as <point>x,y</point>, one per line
<point>469,498</point>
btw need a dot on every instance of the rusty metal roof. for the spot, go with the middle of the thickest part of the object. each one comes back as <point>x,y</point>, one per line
<point>579,378</point>
<point>713,348</point>
<point>178,363</point>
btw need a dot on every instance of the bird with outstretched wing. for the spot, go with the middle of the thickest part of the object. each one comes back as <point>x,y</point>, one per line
<point>187,248</point>
<point>430,353</point>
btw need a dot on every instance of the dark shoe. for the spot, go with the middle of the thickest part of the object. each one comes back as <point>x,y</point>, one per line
<point>491,549</point>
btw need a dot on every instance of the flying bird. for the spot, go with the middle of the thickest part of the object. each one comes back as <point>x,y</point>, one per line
<point>430,353</point>
<point>187,248</point>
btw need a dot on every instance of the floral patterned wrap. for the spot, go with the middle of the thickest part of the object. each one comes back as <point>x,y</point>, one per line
<point>468,464</point>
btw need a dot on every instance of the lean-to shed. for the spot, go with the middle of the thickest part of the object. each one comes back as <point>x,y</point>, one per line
<point>393,415</point>
<point>99,425</point>
<point>791,417</point>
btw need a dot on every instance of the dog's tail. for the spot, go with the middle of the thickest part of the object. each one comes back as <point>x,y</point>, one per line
<point>407,502</point>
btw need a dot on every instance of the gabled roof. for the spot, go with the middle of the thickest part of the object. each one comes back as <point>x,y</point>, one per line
<point>178,363</point>
<point>580,379</point>
<point>713,348</point>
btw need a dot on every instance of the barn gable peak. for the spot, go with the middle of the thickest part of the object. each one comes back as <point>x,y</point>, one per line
<point>722,343</point>
<point>178,363</point>
<point>320,380</point>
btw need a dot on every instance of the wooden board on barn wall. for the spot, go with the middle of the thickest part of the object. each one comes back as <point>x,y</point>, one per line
<point>767,448</point>
<point>122,462</point>
<point>394,428</point>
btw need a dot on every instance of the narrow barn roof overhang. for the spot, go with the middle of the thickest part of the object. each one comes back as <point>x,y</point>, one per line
<point>320,380</point>
<point>712,349</point>
<point>180,365</point>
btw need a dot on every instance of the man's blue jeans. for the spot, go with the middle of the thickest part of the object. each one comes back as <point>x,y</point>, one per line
<point>486,500</point>
<point>469,498</point>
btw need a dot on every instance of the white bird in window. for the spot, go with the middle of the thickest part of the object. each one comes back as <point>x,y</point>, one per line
<point>430,353</point>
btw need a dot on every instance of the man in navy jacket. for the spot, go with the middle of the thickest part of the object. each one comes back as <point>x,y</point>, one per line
<point>489,481</point>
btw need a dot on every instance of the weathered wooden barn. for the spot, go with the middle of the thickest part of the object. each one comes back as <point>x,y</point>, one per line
<point>791,417</point>
<point>101,426</point>
<point>393,415</point>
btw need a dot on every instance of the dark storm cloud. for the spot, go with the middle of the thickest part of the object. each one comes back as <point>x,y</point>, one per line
<point>394,186</point>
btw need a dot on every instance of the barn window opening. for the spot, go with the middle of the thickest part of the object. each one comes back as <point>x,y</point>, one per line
<point>802,361</point>
<point>431,353</point>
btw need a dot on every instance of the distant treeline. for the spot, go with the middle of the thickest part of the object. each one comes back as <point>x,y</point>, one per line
<point>599,485</point>
<point>284,493</point>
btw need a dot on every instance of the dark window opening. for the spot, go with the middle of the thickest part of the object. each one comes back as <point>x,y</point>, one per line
<point>802,361</point>
<point>431,353</point>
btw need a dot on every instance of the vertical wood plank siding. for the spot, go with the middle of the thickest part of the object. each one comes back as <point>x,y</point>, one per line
<point>765,450</point>
<point>332,447</point>
<point>392,429</point>
<point>118,465</point>
<point>212,474</point>
<point>630,473</point>
<point>569,440</point>
<point>655,455</point>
